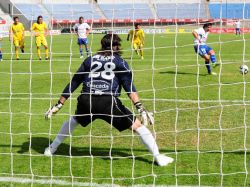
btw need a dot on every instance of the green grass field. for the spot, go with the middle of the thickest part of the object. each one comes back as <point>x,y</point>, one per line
<point>201,120</point>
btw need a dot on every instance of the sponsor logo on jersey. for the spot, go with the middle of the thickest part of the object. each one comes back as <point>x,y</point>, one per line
<point>98,85</point>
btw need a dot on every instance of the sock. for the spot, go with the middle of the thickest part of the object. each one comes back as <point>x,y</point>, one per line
<point>81,51</point>
<point>65,131</point>
<point>148,140</point>
<point>213,58</point>
<point>1,55</point>
<point>87,51</point>
<point>208,67</point>
<point>142,53</point>
<point>39,52</point>
<point>17,53</point>
<point>47,53</point>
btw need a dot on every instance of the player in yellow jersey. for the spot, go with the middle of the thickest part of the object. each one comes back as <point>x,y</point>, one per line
<point>40,31</point>
<point>137,36</point>
<point>16,35</point>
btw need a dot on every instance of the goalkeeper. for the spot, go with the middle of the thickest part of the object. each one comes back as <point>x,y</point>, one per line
<point>102,76</point>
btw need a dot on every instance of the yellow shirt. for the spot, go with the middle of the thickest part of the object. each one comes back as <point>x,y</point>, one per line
<point>17,30</point>
<point>137,35</point>
<point>39,28</point>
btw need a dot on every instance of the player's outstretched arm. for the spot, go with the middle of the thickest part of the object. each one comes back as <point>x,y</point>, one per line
<point>68,90</point>
<point>146,116</point>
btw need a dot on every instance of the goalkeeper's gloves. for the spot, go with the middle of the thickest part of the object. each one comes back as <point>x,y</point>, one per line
<point>146,117</point>
<point>53,110</point>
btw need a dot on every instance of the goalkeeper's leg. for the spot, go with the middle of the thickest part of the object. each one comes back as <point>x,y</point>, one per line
<point>149,141</point>
<point>64,132</point>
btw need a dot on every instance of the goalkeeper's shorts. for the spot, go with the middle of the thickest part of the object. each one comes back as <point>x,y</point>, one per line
<point>105,107</point>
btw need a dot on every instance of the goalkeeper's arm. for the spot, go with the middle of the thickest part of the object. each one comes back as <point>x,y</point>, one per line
<point>68,90</point>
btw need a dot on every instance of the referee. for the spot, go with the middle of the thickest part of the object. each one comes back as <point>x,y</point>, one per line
<point>102,76</point>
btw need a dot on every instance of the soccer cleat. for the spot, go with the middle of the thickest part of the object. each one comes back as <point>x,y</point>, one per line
<point>49,151</point>
<point>81,56</point>
<point>47,58</point>
<point>22,50</point>
<point>215,64</point>
<point>163,160</point>
<point>40,58</point>
<point>17,58</point>
<point>212,73</point>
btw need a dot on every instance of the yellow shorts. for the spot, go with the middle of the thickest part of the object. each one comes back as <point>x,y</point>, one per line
<point>18,42</point>
<point>41,40</point>
<point>137,44</point>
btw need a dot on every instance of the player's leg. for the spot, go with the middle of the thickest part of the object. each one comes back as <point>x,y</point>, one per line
<point>45,44</point>
<point>213,59</point>
<point>80,43</point>
<point>135,46</point>
<point>122,118</point>
<point>85,40</point>
<point>22,43</point>
<point>83,116</point>
<point>65,131</point>
<point>38,45</point>
<point>149,141</point>
<point>16,44</point>
<point>141,50</point>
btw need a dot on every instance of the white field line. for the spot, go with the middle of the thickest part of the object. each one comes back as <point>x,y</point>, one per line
<point>67,183</point>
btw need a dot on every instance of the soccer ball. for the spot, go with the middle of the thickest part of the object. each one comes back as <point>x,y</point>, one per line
<point>243,69</point>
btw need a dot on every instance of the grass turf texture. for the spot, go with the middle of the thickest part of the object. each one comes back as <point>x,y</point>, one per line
<point>209,140</point>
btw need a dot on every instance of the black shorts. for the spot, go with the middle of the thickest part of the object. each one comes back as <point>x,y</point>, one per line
<point>105,107</point>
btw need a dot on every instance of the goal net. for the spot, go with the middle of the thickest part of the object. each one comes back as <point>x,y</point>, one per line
<point>201,120</point>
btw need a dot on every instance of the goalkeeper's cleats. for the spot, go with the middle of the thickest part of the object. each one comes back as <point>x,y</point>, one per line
<point>47,58</point>
<point>163,160</point>
<point>49,151</point>
<point>40,58</point>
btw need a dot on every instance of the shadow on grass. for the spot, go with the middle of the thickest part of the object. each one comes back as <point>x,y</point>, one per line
<point>181,73</point>
<point>38,144</point>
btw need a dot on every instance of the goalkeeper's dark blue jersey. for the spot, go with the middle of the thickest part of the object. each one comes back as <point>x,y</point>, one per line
<point>102,75</point>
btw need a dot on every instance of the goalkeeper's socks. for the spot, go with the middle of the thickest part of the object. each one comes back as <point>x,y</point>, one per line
<point>148,140</point>
<point>208,67</point>
<point>1,55</point>
<point>213,58</point>
<point>65,131</point>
